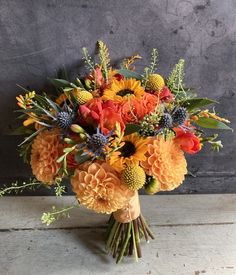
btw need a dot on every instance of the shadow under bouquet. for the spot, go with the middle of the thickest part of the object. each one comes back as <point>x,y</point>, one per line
<point>112,133</point>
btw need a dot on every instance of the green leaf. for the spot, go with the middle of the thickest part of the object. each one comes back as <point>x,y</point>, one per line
<point>210,123</point>
<point>61,158</point>
<point>130,74</point>
<point>22,130</point>
<point>61,83</point>
<point>194,103</point>
<point>31,136</point>
<point>79,158</point>
<point>68,149</point>
<point>131,128</point>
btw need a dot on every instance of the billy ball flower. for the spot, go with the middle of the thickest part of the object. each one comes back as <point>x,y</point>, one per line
<point>98,187</point>
<point>155,82</point>
<point>133,177</point>
<point>82,96</point>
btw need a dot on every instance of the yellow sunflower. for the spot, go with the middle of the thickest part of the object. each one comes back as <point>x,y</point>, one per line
<point>120,90</point>
<point>131,153</point>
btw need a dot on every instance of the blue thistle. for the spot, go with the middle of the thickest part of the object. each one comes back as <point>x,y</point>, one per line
<point>95,143</point>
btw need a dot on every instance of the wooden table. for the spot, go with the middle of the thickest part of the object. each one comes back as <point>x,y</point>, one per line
<point>195,234</point>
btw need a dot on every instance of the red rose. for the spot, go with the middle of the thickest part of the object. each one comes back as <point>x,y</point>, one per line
<point>166,95</point>
<point>187,141</point>
<point>103,114</point>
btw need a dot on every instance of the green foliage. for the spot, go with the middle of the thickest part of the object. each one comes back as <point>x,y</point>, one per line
<point>175,81</point>
<point>104,58</point>
<point>194,103</point>
<point>80,157</point>
<point>88,59</point>
<point>25,150</point>
<point>61,83</point>
<point>154,61</point>
<point>151,68</point>
<point>130,74</point>
<point>216,145</point>
<point>63,158</point>
<point>29,138</point>
<point>59,188</point>
<point>211,123</point>
<point>131,128</point>
<point>17,188</point>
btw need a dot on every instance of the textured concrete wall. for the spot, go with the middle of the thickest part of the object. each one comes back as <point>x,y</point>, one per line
<point>38,37</point>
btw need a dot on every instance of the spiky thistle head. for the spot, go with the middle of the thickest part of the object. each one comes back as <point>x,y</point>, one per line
<point>65,119</point>
<point>166,121</point>
<point>179,116</point>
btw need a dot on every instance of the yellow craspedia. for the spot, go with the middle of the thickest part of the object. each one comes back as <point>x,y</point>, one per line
<point>155,82</point>
<point>133,177</point>
<point>82,96</point>
<point>152,185</point>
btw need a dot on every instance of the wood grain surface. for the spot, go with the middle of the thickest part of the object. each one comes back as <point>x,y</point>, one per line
<point>194,235</point>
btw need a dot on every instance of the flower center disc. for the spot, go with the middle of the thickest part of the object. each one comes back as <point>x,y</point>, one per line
<point>128,149</point>
<point>125,92</point>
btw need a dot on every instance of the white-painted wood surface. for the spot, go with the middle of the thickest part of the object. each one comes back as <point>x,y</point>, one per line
<point>195,234</point>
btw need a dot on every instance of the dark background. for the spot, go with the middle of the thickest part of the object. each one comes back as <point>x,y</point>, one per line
<point>39,37</point>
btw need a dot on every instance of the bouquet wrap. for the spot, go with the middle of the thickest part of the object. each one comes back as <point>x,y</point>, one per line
<point>130,212</point>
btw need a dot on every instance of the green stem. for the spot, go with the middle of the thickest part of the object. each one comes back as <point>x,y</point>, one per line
<point>121,255</point>
<point>147,228</point>
<point>14,188</point>
<point>134,242</point>
<point>137,239</point>
<point>110,238</point>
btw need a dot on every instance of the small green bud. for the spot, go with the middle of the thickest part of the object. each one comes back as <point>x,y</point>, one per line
<point>152,185</point>
<point>77,129</point>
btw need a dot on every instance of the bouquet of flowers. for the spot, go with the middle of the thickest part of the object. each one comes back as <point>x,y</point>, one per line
<point>112,133</point>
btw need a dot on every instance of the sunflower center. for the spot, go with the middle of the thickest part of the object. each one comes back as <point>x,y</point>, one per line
<point>125,92</point>
<point>128,149</point>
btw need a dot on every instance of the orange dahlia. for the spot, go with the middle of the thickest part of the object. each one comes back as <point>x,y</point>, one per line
<point>46,149</point>
<point>165,161</point>
<point>98,187</point>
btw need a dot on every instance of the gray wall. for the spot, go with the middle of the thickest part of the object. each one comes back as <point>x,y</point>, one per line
<point>38,37</point>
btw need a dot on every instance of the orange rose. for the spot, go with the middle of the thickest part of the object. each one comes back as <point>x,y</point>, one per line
<point>135,109</point>
<point>132,111</point>
<point>187,141</point>
<point>149,102</point>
